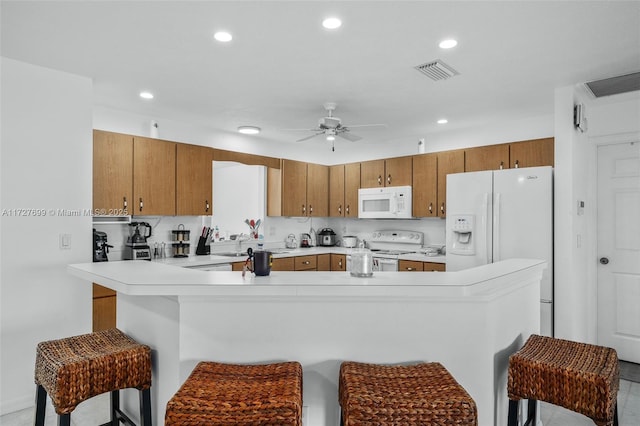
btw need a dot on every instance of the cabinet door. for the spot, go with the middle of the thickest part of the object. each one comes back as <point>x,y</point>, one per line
<point>409,266</point>
<point>372,174</point>
<point>294,188</point>
<point>448,162</point>
<point>237,266</point>
<point>533,153</point>
<point>317,190</point>
<point>434,267</point>
<point>425,185</point>
<point>194,180</point>
<point>306,263</point>
<point>338,262</point>
<point>323,262</point>
<point>336,191</point>
<point>283,264</point>
<point>154,177</point>
<point>398,171</point>
<point>104,308</point>
<point>492,157</point>
<point>112,172</point>
<point>351,186</point>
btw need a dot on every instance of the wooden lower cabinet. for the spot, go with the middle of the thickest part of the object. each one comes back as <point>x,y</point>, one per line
<point>323,262</point>
<point>283,264</point>
<point>104,308</point>
<point>417,266</point>
<point>306,263</point>
<point>338,262</point>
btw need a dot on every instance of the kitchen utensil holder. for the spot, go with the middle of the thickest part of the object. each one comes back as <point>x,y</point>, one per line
<point>203,247</point>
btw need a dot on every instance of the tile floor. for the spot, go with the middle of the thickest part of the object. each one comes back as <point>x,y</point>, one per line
<point>95,412</point>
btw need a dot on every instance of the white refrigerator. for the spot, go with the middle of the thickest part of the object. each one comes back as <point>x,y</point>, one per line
<point>503,214</point>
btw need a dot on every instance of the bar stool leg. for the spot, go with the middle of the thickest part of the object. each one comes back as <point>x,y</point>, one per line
<point>531,414</point>
<point>145,407</point>
<point>115,407</point>
<point>512,420</point>
<point>41,405</point>
<point>64,420</point>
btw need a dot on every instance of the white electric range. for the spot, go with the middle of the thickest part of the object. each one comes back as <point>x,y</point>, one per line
<point>388,246</point>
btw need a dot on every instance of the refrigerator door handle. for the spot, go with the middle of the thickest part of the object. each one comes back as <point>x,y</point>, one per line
<point>496,228</point>
<point>485,223</point>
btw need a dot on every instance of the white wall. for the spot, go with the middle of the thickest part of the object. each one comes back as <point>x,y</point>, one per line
<point>46,165</point>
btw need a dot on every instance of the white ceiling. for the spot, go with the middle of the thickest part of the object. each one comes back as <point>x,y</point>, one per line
<point>282,65</point>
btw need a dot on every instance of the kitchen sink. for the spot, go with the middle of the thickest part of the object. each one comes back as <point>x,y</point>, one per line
<point>230,254</point>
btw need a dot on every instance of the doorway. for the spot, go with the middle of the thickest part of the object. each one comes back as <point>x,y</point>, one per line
<point>618,270</point>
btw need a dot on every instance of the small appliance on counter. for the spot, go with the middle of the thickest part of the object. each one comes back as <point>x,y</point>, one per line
<point>326,237</point>
<point>100,246</point>
<point>305,240</point>
<point>136,247</point>
<point>349,241</point>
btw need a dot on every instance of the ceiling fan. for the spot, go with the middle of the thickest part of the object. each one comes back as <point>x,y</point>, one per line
<point>331,127</point>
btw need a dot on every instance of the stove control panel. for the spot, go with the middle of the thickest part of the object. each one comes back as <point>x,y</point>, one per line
<point>408,237</point>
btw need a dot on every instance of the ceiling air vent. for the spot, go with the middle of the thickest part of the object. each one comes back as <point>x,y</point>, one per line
<point>615,85</point>
<point>437,70</point>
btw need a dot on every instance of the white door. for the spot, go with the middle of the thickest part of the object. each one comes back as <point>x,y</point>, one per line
<point>619,249</point>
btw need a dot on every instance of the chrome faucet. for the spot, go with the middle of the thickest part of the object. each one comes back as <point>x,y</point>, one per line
<point>239,239</point>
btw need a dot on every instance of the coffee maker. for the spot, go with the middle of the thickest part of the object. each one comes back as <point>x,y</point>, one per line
<point>100,246</point>
<point>136,247</point>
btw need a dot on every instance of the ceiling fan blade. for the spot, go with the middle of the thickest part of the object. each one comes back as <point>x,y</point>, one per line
<point>302,130</point>
<point>349,136</point>
<point>366,125</point>
<point>309,137</point>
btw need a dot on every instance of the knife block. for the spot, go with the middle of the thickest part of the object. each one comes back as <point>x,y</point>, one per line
<point>203,247</point>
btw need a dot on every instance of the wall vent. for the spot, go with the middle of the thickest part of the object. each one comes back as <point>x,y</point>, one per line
<point>614,85</point>
<point>437,70</point>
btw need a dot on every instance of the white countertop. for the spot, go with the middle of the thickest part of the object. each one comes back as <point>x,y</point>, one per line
<point>213,259</point>
<point>141,277</point>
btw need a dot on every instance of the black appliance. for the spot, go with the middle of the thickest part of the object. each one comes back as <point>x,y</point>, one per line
<point>100,246</point>
<point>136,247</point>
<point>327,237</point>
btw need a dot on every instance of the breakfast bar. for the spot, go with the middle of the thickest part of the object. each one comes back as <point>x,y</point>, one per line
<point>470,321</point>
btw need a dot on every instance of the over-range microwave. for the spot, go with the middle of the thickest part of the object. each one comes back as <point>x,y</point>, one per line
<point>392,202</point>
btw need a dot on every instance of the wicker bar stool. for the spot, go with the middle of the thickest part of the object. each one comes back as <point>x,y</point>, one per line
<point>580,377</point>
<point>234,394</point>
<point>74,369</point>
<point>421,394</point>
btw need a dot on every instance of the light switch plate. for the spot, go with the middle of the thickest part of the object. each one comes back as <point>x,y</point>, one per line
<point>65,241</point>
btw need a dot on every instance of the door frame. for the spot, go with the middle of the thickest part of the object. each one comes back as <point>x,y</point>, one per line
<point>592,198</point>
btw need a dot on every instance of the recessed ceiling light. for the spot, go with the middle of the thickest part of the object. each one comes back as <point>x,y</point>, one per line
<point>443,121</point>
<point>146,95</point>
<point>331,138</point>
<point>222,36</point>
<point>332,23</point>
<point>249,130</point>
<point>448,44</point>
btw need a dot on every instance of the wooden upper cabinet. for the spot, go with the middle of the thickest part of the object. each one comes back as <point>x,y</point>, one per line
<point>317,190</point>
<point>294,188</point>
<point>194,169</point>
<point>351,186</point>
<point>336,191</point>
<point>112,172</point>
<point>398,171</point>
<point>371,174</point>
<point>154,177</point>
<point>533,153</point>
<point>389,172</point>
<point>425,185</point>
<point>492,157</point>
<point>448,162</point>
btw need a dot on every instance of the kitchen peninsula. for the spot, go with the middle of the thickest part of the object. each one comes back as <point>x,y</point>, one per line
<point>470,321</point>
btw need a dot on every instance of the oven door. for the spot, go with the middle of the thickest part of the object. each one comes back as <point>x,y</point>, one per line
<point>382,264</point>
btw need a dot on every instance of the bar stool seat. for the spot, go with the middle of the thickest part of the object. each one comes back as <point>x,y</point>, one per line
<point>74,369</point>
<point>421,394</point>
<point>581,377</point>
<point>234,394</point>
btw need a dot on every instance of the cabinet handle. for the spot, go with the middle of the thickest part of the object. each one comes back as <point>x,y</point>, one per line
<point>430,208</point>
<point>501,165</point>
<point>379,180</point>
<point>304,209</point>
<point>141,204</point>
<point>409,268</point>
<point>516,164</point>
<point>306,262</point>
<point>206,205</point>
<point>340,264</point>
<point>442,208</point>
<point>124,202</point>
<point>389,179</point>
<point>310,209</point>
<point>340,209</point>
<point>347,209</point>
